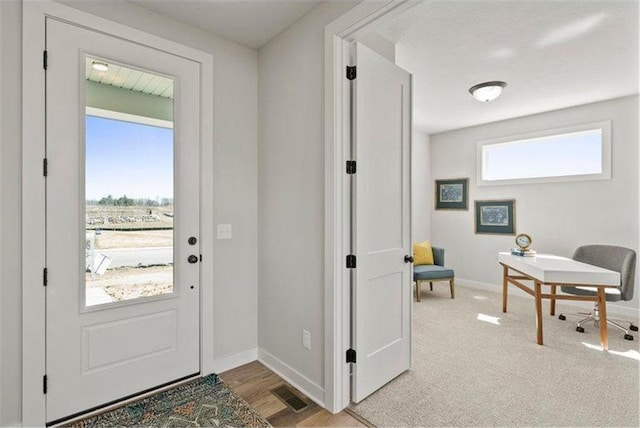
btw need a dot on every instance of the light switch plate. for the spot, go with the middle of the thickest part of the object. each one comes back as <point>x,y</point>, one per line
<point>224,231</point>
<point>306,339</point>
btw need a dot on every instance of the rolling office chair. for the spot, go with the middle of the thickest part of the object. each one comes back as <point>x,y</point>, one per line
<point>619,259</point>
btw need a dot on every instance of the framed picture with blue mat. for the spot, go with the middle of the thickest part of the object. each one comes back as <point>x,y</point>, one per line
<point>496,217</point>
<point>452,194</point>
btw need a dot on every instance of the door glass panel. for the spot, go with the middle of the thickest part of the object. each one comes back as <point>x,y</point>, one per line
<point>129,157</point>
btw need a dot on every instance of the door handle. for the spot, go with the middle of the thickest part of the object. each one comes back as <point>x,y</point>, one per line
<point>192,259</point>
<point>408,259</point>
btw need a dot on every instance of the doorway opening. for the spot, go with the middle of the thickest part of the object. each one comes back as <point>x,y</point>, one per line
<point>448,124</point>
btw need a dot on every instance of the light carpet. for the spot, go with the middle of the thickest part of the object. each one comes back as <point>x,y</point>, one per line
<point>476,366</point>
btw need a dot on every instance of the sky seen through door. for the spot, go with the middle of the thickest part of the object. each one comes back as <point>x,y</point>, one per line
<point>126,158</point>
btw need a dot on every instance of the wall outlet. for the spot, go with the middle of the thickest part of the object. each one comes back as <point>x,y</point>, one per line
<point>224,231</point>
<point>306,339</point>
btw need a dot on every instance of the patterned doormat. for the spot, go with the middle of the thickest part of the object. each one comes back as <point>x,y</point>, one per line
<point>204,402</point>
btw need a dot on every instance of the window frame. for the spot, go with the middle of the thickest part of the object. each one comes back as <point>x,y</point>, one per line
<point>604,126</point>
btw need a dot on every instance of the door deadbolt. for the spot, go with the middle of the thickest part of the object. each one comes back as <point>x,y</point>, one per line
<point>192,259</point>
<point>192,240</point>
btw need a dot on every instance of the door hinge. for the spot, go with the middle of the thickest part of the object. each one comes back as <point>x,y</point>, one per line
<point>351,355</point>
<point>45,59</point>
<point>351,261</point>
<point>45,276</point>
<point>351,72</point>
<point>200,257</point>
<point>45,387</point>
<point>351,167</point>
<point>45,167</point>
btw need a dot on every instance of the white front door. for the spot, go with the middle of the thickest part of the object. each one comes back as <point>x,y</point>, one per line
<point>381,222</point>
<point>122,220</point>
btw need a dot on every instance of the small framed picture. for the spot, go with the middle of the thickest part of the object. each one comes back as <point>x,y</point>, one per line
<point>452,194</point>
<point>496,217</point>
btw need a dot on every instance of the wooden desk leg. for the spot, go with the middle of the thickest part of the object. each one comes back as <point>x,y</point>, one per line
<point>505,287</point>
<point>553,301</point>
<point>538,296</point>
<point>602,309</point>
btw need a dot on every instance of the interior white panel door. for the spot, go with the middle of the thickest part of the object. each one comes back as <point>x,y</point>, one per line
<point>99,354</point>
<point>381,222</point>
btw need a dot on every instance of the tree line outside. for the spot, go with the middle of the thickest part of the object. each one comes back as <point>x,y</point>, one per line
<point>124,201</point>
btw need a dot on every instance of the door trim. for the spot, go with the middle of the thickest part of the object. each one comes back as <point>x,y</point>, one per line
<point>337,35</point>
<point>33,189</point>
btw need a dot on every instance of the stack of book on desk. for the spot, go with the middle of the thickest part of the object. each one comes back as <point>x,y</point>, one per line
<point>522,253</point>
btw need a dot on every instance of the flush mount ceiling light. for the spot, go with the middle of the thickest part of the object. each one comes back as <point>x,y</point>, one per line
<point>100,66</point>
<point>487,91</point>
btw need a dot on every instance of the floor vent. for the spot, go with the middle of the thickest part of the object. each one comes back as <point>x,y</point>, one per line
<point>290,398</point>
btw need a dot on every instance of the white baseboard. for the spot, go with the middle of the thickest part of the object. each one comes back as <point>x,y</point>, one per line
<point>612,308</point>
<point>292,376</point>
<point>235,360</point>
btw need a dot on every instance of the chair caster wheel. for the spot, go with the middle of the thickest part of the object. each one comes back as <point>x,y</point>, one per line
<point>562,317</point>
<point>628,337</point>
<point>633,327</point>
<point>580,329</point>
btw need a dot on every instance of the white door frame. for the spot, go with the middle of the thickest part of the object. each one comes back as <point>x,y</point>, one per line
<point>337,35</point>
<point>33,189</point>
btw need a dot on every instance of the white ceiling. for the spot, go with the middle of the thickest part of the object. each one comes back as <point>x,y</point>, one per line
<point>250,22</point>
<point>128,78</point>
<point>552,54</point>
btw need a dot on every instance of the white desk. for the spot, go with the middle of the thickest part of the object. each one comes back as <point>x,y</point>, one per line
<point>553,271</point>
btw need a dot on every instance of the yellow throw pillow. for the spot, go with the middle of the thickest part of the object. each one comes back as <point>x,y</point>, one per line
<point>422,254</point>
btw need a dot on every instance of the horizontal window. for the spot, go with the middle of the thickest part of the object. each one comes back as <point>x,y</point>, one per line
<point>570,154</point>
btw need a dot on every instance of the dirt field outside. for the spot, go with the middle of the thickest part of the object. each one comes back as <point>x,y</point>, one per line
<point>128,283</point>
<point>134,217</point>
<point>136,244</point>
<point>108,239</point>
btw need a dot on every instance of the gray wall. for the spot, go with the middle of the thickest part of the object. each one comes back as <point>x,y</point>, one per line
<point>235,191</point>
<point>421,186</point>
<point>291,192</point>
<point>558,216</point>
<point>379,44</point>
<point>2,63</point>
<point>10,202</point>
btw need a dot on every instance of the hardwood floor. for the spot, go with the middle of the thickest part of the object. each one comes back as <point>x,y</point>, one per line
<point>254,382</point>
